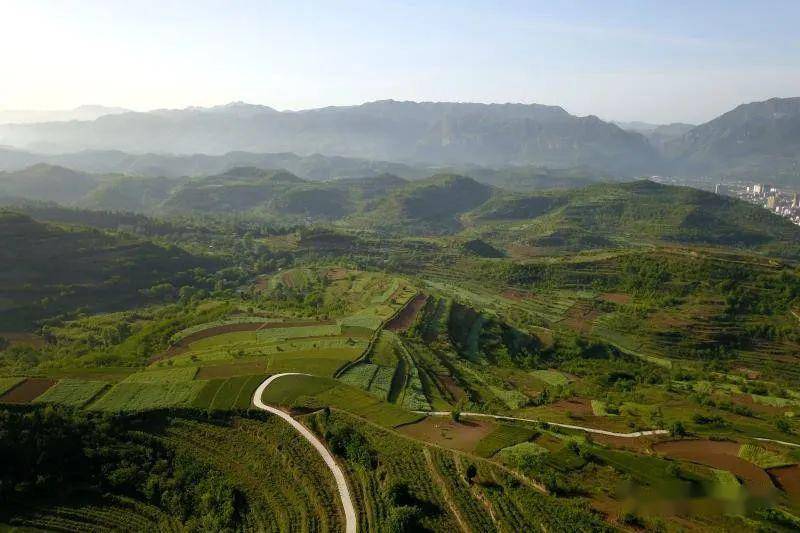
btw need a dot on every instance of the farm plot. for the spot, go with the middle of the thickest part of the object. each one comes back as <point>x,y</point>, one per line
<point>316,349</point>
<point>551,377</point>
<point>168,375</point>
<point>231,393</point>
<point>312,391</point>
<point>145,396</point>
<point>6,384</point>
<point>717,454</point>
<point>27,391</point>
<point>503,436</point>
<point>72,392</point>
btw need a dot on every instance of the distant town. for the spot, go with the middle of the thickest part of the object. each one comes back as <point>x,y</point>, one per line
<point>781,201</point>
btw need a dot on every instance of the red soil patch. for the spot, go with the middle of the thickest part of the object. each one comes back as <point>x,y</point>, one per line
<point>452,386</point>
<point>747,400</point>
<point>616,297</point>
<point>336,274</point>
<point>513,294</point>
<point>718,454</point>
<point>27,391</point>
<point>581,317</point>
<point>444,431</point>
<point>403,320</point>
<point>576,406</point>
<point>749,373</point>
<point>21,338</point>
<point>262,283</point>
<point>787,478</point>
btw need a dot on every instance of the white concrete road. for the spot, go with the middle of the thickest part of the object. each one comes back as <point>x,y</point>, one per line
<point>350,516</point>
<point>631,435</point>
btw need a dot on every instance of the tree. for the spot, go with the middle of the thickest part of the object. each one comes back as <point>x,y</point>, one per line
<point>783,425</point>
<point>677,429</point>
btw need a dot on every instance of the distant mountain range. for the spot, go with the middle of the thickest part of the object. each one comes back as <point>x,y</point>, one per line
<point>84,112</point>
<point>760,140</point>
<point>409,132</point>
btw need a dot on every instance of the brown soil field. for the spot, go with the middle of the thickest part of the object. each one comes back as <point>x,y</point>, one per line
<point>513,294</point>
<point>576,406</point>
<point>452,386</point>
<point>443,431</point>
<point>616,297</point>
<point>787,478</point>
<point>522,251</point>
<point>718,454</point>
<point>22,338</point>
<point>262,283</point>
<point>405,318</point>
<point>230,370</point>
<point>639,444</point>
<point>747,400</point>
<point>748,372</point>
<point>580,318</point>
<point>336,274</point>
<point>27,391</point>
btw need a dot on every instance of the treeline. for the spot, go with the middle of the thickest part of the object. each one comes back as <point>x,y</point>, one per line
<point>57,453</point>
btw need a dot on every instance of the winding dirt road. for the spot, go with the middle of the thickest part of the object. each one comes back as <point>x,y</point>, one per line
<point>631,435</point>
<point>351,525</point>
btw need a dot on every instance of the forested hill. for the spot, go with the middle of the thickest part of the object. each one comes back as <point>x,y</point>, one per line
<point>636,211</point>
<point>48,269</point>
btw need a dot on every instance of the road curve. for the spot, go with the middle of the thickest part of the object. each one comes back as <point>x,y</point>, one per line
<point>631,435</point>
<point>341,482</point>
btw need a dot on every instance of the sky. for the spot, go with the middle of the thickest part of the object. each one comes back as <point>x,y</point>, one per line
<point>654,61</point>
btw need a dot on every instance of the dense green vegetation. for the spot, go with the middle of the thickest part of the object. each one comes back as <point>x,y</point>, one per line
<point>138,345</point>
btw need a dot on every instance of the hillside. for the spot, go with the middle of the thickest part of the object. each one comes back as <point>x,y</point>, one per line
<point>313,167</point>
<point>636,211</point>
<point>48,269</point>
<point>755,139</point>
<point>47,183</point>
<point>431,132</point>
<point>431,206</point>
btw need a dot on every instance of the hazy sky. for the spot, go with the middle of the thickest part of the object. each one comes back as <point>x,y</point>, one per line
<point>646,60</point>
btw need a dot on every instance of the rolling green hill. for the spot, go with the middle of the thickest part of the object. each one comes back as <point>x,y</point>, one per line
<point>49,269</point>
<point>432,205</point>
<point>635,211</point>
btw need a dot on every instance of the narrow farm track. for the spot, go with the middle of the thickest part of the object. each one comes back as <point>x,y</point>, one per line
<point>631,435</point>
<point>351,525</point>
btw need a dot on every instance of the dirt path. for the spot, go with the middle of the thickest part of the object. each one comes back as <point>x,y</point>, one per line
<point>351,525</point>
<point>632,435</point>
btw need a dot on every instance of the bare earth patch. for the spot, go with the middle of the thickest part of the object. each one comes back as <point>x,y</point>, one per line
<point>405,318</point>
<point>445,432</point>
<point>27,391</point>
<point>718,454</point>
<point>787,478</point>
<point>616,297</point>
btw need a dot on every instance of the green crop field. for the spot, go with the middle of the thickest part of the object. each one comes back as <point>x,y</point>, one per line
<point>551,377</point>
<point>170,375</point>
<point>503,436</point>
<point>147,395</point>
<point>317,391</point>
<point>72,392</point>
<point>762,457</point>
